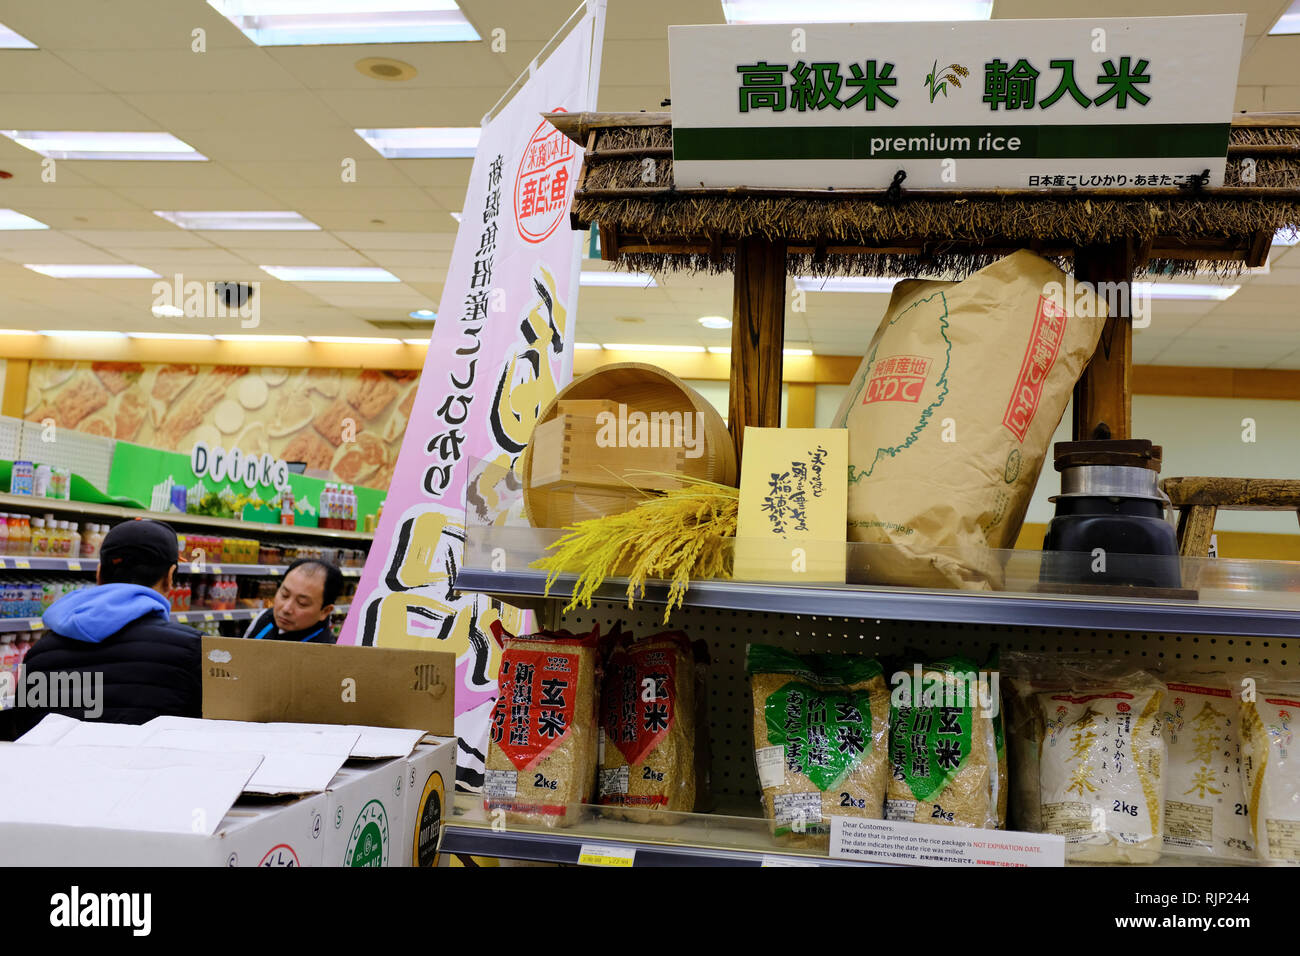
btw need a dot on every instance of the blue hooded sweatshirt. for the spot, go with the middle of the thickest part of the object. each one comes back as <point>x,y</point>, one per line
<point>93,614</point>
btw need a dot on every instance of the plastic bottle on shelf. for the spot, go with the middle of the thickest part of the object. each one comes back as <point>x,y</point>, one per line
<point>74,540</point>
<point>286,506</point>
<point>4,534</point>
<point>40,543</point>
<point>59,539</point>
<point>22,541</point>
<point>8,661</point>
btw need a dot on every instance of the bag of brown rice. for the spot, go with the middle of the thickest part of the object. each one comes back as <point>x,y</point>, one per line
<point>1205,810</point>
<point>950,415</point>
<point>1271,771</point>
<point>943,747</point>
<point>1101,765</point>
<point>647,728</point>
<point>821,737</point>
<point>541,758</point>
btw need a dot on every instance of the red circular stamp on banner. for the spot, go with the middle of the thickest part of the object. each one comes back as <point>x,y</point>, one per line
<point>542,183</point>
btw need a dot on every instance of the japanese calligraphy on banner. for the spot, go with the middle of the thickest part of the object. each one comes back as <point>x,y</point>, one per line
<point>1084,103</point>
<point>501,349</point>
<point>793,505</point>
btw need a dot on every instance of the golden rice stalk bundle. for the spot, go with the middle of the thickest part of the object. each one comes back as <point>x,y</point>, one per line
<point>682,534</point>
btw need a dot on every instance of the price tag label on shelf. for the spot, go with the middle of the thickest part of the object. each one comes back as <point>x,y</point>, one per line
<point>209,617</point>
<point>23,565</point>
<point>74,565</point>
<point>769,860</point>
<point>227,616</point>
<point>215,569</point>
<point>3,564</point>
<point>37,624</point>
<point>273,571</point>
<point>594,854</point>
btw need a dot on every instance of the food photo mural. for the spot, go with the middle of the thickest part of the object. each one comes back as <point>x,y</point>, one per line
<point>348,422</point>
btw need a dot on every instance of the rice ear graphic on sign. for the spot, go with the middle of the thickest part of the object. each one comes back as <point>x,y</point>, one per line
<point>938,79</point>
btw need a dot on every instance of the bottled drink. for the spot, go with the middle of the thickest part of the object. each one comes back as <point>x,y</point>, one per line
<point>74,540</point>
<point>40,542</point>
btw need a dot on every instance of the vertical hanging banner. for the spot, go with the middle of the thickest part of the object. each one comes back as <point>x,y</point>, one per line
<point>501,349</point>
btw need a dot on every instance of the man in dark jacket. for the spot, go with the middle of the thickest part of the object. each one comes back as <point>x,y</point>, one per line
<point>119,633</point>
<point>302,606</point>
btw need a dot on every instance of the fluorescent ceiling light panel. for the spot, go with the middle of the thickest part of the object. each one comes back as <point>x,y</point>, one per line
<point>168,336</point>
<point>1288,22</point>
<point>416,341</point>
<point>64,271</point>
<point>315,22</point>
<point>457,216</point>
<point>726,350</point>
<point>168,311</point>
<point>351,340</point>
<point>1184,290</point>
<point>254,221</point>
<point>9,40</point>
<point>18,332</point>
<point>64,144</point>
<point>12,219</point>
<point>844,283</point>
<point>654,348</point>
<point>423,314</point>
<point>623,279</point>
<point>330,273</point>
<point>262,338</point>
<point>588,346</point>
<point>715,322</point>
<point>862,11</point>
<point>423,142</point>
<point>82,334</point>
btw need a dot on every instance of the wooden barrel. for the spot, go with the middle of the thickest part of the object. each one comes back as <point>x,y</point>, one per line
<point>572,490</point>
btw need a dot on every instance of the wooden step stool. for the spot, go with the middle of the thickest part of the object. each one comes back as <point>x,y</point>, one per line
<point>1198,500</point>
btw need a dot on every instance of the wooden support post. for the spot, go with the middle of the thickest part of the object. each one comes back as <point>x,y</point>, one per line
<point>1104,395</point>
<point>757,337</point>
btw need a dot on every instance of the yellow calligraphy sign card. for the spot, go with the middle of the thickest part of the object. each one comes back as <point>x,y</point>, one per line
<point>794,492</point>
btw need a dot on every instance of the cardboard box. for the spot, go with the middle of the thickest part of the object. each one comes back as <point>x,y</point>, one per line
<point>430,788</point>
<point>269,681</point>
<point>153,807</point>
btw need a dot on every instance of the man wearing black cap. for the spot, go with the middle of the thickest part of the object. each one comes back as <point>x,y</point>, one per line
<point>120,633</point>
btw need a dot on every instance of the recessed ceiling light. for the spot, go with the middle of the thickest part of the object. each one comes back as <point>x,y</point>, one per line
<point>587,346</point>
<point>1288,22</point>
<point>82,334</point>
<point>1184,290</point>
<point>65,271</point>
<point>63,144</point>
<point>386,68</point>
<point>261,220</point>
<point>653,348</point>
<point>844,283</point>
<point>314,22</point>
<point>10,40</point>
<point>262,338</point>
<point>351,340</point>
<point>423,142</point>
<point>12,219</point>
<point>330,273</point>
<point>424,314</point>
<point>640,279</point>
<point>169,336</point>
<point>715,322</point>
<point>861,11</point>
<point>168,312</point>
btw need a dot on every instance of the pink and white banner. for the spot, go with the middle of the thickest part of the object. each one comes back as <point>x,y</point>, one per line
<point>501,349</point>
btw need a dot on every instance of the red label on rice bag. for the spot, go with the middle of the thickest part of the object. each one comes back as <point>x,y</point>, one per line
<point>536,696</point>
<point>899,378</point>
<point>1040,354</point>
<point>638,701</point>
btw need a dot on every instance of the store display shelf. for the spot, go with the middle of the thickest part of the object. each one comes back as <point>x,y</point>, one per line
<point>60,506</point>
<point>692,839</point>
<point>9,624</point>
<point>914,604</point>
<point>22,563</point>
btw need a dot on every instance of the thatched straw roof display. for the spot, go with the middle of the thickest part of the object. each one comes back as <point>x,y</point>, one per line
<point>650,223</point>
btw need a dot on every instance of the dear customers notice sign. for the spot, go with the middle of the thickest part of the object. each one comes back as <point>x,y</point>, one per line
<point>1091,103</point>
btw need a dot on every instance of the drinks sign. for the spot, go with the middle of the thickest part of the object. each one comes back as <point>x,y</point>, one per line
<point>237,467</point>
<point>1089,103</point>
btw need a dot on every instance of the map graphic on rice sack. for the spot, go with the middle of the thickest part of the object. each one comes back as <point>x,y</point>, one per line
<point>298,414</point>
<point>905,380</point>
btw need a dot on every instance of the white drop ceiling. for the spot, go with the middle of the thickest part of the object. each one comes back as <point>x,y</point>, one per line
<point>277,123</point>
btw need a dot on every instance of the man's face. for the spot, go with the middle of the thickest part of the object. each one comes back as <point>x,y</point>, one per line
<point>299,603</point>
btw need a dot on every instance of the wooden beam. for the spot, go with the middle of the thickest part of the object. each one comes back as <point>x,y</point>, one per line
<point>1103,397</point>
<point>757,338</point>
<point>941,195</point>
